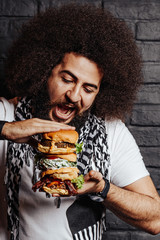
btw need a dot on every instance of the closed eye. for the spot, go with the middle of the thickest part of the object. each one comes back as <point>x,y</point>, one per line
<point>67,80</point>
<point>88,90</point>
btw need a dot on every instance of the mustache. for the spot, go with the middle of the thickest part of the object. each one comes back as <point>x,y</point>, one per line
<point>76,106</point>
<point>42,104</point>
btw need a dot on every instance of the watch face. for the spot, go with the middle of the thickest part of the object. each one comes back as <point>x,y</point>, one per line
<point>96,197</point>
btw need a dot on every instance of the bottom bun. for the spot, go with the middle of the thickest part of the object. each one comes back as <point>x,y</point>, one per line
<point>56,191</point>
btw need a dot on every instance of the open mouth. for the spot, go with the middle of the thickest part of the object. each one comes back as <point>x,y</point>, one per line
<point>64,112</point>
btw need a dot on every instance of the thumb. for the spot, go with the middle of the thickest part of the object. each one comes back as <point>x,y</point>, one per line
<point>32,142</point>
<point>94,176</point>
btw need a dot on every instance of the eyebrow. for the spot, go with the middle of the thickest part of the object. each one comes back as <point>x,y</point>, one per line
<point>73,76</point>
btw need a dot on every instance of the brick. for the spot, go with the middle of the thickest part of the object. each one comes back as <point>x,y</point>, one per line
<point>116,235</point>
<point>148,30</point>
<point>145,115</point>
<point>1,76</point>
<point>151,72</point>
<point>1,69</point>
<point>151,156</point>
<point>132,27</point>
<point>154,172</point>
<point>9,28</point>
<point>18,7</point>
<point>113,222</point>
<point>150,51</point>
<point>4,27</point>
<point>15,26</point>
<point>144,236</point>
<point>146,136</point>
<point>149,94</point>
<point>5,43</point>
<point>44,4</point>
<point>136,9</point>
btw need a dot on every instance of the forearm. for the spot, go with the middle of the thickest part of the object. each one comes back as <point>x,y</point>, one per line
<point>21,131</point>
<point>137,209</point>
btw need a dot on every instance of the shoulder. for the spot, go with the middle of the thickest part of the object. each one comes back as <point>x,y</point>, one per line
<point>119,136</point>
<point>114,124</point>
<point>116,128</point>
<point>120,141</point>
<point>127,165</point>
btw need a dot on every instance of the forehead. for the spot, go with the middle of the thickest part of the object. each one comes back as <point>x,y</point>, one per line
<point>81,67</point>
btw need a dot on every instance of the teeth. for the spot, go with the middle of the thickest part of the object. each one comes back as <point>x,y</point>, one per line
<point>63,112</point>
<point>67,107</point>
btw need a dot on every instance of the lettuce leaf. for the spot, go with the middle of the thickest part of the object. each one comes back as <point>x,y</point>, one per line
<point>78,181</point>
<point>79,147</point>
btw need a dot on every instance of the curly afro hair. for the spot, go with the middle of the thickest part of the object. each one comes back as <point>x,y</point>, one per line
<point>87,31</point>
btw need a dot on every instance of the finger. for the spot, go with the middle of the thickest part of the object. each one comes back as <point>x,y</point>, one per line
<point>20,131</point>
<point>31,127</point>
<point>55,195</point>
<point>42,126</point>
<point>52,123</point>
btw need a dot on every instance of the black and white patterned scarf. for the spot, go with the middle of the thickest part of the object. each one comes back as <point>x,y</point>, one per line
<point>94,137</point>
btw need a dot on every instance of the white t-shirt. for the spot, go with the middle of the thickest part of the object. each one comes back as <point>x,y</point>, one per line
<point>39,216</point>
<point>7,116</point>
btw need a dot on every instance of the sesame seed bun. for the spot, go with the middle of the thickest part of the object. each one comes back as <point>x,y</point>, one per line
<point>66,136</point>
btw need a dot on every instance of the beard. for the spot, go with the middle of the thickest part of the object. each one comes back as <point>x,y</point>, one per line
<point>79,120</point>
<point>42,106</point>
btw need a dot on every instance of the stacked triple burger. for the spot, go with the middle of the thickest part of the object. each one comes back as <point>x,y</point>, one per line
<point>58,163</point>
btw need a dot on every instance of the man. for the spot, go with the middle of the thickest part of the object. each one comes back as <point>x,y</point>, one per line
<point>78,66</point>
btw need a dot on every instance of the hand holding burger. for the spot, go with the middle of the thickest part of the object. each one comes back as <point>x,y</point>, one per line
<point>58,163</point>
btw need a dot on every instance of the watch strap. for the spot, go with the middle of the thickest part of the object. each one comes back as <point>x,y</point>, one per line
<point>100,196</point>
<point>105,190</point>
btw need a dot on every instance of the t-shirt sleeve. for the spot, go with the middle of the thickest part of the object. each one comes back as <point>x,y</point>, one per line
<point>6,114</point>
<point>6,110</point>
<point>2,111</point>
<point>127,165</point>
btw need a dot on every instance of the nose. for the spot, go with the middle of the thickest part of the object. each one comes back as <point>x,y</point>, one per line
<point>74,94</point>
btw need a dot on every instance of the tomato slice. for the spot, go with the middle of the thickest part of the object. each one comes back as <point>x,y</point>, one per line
<point>50,156</point>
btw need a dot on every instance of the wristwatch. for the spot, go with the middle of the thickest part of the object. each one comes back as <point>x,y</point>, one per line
<point>103,193</point>
<point>100,196</point>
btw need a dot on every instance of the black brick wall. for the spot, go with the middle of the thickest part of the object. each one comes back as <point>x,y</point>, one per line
<point>143,17</point>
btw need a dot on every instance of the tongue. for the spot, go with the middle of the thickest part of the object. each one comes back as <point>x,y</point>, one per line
<point>63,109</point>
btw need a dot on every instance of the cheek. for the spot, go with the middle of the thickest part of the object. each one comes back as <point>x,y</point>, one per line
<point>52,94</point>
<point>55,92</point>
<point>88,101</point>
